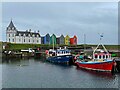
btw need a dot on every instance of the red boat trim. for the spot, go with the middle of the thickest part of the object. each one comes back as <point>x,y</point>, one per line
<point>95,69</point>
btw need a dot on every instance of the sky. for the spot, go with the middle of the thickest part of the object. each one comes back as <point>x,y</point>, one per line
<point>67,18</point>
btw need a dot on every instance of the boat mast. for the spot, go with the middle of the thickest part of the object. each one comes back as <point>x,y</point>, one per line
<point>53,42</point>
<point>84,45</point>
<point>84,42</point>
<point>101,36</point>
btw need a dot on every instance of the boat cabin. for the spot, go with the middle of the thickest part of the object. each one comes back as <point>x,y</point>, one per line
<point>52,52</point>
<point>59,52</point>
<point>102,56</point>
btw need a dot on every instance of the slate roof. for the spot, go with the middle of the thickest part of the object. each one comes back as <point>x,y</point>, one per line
<point>11,24</point>
<point>27,33</point>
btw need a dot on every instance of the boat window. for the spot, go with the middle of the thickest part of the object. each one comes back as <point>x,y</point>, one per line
<point>95,56</point>
<point>53,54</point>
<point>106,56</point>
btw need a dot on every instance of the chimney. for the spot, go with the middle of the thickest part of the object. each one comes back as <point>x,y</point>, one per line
<point>29,30</point>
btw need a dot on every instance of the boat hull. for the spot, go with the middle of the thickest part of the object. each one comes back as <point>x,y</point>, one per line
<point>117,64</point>
<point>60,59</point>
<point>97,66</point>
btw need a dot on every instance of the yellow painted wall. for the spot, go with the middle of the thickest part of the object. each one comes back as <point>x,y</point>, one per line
<point>67,40</point>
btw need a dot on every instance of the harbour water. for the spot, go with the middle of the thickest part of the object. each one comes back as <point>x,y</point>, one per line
<point>32,73</point>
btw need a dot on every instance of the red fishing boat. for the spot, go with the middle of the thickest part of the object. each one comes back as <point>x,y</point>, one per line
<point>101,61</point>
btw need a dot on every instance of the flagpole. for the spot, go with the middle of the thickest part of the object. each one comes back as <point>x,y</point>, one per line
<point>84,42</point>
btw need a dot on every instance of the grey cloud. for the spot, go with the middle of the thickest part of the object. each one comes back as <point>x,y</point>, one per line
<point>65,18</point>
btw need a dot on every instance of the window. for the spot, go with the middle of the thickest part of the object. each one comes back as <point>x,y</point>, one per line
<point>9,35</point>
<point>9,39</point>
<point>33,40</point>
<point>24,40</point>
<point>19,34</point>
<point>13,40</point>
<point>19,40</point>
<point>100,57</point>
<point>37,41</point>
<point>106,56</point>
<point>95,56</point>
<point>29,40</point>
<point>13,35</point>
<point>13,28</point>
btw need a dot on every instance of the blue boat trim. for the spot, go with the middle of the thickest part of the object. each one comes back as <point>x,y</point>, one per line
<point>96,62</point>
<point>59,55</point>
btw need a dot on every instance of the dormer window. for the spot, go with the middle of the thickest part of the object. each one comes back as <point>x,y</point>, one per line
<point>12,28</point>
<point>33,35</point>
<point>9,28</point>
<point>29,35</point>
<point>19,34</point>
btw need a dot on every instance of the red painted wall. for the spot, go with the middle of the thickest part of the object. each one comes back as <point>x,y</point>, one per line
<point>73,41</point>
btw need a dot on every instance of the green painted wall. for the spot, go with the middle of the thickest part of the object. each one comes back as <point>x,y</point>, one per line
<point>53,39</point>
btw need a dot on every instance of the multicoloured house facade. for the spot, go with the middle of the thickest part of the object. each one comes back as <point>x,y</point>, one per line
<point>61,40</point>
<point>73,41</point>
<point>67,40</point>
<point>53,39</point>
<point>29,37</point>
<point>47,39</point>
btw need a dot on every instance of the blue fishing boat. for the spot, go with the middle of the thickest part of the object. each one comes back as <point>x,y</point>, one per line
<point>59,55</point>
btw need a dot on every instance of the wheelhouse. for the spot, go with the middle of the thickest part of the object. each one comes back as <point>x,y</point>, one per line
<point>102,56</point>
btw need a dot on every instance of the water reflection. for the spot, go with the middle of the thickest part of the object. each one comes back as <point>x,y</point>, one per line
<point>99,74</point>
<point>36,73</point>
<point>16,61</point>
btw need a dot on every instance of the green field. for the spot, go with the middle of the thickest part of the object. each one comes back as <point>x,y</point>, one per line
<point>13,46</point>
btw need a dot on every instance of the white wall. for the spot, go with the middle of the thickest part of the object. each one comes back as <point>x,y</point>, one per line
<point>20,39</point>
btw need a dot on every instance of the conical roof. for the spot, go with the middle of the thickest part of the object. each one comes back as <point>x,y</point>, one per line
<point>11,24</point>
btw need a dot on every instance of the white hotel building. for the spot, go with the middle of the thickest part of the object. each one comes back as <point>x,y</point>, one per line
<point>23,37</point>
